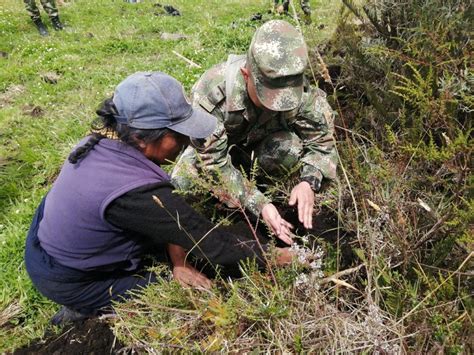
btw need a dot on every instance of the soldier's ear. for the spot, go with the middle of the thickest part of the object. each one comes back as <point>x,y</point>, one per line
<point>245,73</point>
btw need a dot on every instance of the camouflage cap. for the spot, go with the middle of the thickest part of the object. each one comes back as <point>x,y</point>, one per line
<point>277,58</point>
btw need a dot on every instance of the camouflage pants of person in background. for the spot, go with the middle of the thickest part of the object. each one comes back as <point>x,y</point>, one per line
<point>48,5</point>
<point>278,153</point>
<point>286,3</point>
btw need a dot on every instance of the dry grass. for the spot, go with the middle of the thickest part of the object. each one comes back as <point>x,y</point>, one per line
<point>9,313</point>
<point>253,313</point>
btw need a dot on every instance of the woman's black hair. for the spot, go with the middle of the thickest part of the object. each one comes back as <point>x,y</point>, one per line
<point>106,124</point>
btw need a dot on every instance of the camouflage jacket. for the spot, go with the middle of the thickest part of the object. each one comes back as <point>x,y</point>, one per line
<point>240,123</point>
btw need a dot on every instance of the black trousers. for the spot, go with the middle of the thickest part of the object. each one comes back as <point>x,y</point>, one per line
<point>84,291</point>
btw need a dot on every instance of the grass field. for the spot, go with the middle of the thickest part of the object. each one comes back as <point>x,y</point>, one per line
<point>104,42</point>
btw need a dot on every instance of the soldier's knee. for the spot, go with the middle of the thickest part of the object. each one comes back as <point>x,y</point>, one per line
<point>184,172</point>
<point>279,152</point>
<point>182,177</point>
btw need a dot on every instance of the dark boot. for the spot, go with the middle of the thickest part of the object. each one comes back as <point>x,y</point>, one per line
<point>57,25</point>
<point>307,13</point>
<point>41,27</point>
<point>307,18</point>
<point>66,315</point>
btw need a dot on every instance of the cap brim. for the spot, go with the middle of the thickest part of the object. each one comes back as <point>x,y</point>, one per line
<point>199,125</point>
<point>276,98</point>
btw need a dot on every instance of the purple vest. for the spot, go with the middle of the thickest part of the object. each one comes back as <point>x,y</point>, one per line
<point>73,229</point>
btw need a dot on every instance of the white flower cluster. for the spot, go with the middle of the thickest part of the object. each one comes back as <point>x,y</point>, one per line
<point>380,237</point>
<point>305,255</point>
<point>301,280</point>
<point>375,325</point>
<point>371,326</point>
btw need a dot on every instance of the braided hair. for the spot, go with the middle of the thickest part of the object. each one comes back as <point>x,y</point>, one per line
<point>106,124</point>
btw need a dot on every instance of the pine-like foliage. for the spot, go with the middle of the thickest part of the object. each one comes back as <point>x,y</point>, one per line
<point>404,91</point>
<point>412,63</point>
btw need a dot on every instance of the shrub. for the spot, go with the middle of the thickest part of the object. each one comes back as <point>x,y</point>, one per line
<point>404,93</point>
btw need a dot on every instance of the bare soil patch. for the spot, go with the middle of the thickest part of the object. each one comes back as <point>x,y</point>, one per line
<point>92,336</point>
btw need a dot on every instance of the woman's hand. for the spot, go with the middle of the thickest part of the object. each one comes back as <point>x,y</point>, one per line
<point>284,256</point>
<point>278,225</point>
<point>183,272</point>
<point>188,276</point>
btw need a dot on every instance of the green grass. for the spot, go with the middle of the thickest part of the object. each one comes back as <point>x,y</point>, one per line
<point>407,298</point>
<point>103,43</point>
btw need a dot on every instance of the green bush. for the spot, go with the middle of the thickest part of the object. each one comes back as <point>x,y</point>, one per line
<point>404,92</point>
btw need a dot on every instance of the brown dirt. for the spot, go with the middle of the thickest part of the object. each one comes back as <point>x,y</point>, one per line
<point>92,336</point>
<point>325,228</point>
<point>10,94</point>
<point>32,110</point>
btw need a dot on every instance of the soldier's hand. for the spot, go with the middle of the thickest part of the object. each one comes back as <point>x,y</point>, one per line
<point>303,195</point>
<point>278,225</point>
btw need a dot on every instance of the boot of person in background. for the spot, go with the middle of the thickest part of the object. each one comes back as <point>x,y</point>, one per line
<point>50,7</point>
<point>57,25</point>
<point>282,7</point>
<point>41,27</point>
<point>306,10</point>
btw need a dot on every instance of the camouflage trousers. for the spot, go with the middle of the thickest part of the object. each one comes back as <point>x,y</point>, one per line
<point>48,5</point>
<point>278,153</point>
<point>304,5</point>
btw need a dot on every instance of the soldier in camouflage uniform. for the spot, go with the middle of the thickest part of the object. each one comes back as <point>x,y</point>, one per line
<point>50,7</point>
<point>265,106</point>
<point>283,8</point>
